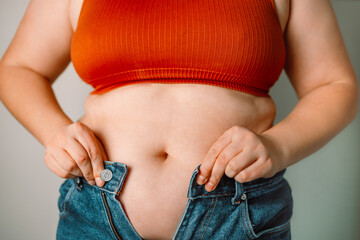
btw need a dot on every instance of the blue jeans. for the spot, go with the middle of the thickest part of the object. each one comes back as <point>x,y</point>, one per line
<point>260,209</point>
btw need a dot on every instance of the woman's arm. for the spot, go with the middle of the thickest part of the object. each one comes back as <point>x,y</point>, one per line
<point>37,55</point>
<point>321,73</point>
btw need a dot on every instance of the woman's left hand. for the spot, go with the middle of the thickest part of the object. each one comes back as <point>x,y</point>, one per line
<point>240,154</point>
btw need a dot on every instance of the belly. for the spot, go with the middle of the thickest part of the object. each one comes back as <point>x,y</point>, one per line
<point>162,132</point>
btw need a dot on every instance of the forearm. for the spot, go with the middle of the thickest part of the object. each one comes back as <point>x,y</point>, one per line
<point>314,121</point>
<point>31,100</point>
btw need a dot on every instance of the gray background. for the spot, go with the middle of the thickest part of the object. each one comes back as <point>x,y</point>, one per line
<point>325,185</point>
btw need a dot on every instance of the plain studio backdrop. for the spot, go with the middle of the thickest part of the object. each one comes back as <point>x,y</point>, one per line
<point>325,186</point>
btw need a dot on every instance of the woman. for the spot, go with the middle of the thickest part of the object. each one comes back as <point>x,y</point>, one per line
<point>198,158</point>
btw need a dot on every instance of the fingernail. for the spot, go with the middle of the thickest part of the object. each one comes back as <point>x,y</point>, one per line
<point>99,182</point>
<point>210,186</point>
<point>91,182</point>
<point>201,180</point>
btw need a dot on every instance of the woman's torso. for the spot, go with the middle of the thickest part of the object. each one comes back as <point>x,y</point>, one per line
<point>162,132</point>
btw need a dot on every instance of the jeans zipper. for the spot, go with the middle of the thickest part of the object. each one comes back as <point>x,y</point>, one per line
<point>110,217</point>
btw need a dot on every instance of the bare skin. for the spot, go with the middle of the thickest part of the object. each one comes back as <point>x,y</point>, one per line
<point>172,128</point>
<point>161,158</point>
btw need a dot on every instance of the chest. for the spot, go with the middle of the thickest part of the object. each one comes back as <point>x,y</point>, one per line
<point>282,8</point>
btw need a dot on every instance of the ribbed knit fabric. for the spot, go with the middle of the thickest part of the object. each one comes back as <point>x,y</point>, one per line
<point>236,44</point>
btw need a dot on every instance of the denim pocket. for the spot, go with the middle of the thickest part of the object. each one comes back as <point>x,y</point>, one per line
<point>268,211</point>
<point>67,189</point>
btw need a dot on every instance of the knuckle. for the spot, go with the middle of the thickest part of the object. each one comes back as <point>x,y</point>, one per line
<point>223,157</point>
<point>270,164</point>
<point>78,126</point>
<point>235,129</point>
<point>67,145</point>
<point>93,153</point>
<point>241,177</point>
<point>76,171</point>
<point>261,160</point>
<point>46,156</point>
<point>229,173</point>
<point>244,175</point>
<point>63,174</point>
<point>62,135</point>
<point>70,167</point>
<point>250,136</point>
<point>88,177</point>
<point>261,148</point>
<point>46,160</point>
<point>213,151</point>
<point>50,146</point>
<point>87,173</point>
<point>81,159</point>
<point>233,166</point>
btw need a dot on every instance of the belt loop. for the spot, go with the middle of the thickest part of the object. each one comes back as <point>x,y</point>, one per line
<point>239,193</point>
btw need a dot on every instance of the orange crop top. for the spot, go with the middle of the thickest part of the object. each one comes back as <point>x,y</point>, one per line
<point>236,44</point>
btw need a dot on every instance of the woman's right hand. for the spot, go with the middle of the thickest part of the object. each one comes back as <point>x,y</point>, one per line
<point>75,151</point>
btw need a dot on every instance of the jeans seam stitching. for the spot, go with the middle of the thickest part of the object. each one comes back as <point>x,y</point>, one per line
<point>205,219</point>
<point>121,179</point>
<point>245,219</point>
<point>277,229</point>
<point>68,202</point>
<point>209,218</point>
<point>220,194</point>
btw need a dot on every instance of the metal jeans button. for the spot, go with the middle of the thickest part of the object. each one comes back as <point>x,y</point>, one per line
<point>243,196</point>
<point>106,175</point>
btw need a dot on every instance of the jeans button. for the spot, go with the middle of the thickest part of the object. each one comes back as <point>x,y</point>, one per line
<point>106,175</point>
<point>243,197</point>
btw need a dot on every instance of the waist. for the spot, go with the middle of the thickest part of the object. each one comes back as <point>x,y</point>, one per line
<point>226,187</point>
<point>161,132</point>
<point>176,120</point>
<point>171,121</point>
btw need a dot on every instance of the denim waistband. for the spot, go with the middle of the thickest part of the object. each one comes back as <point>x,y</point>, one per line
<point>119,172</point>
<point>230,187</point>
<point>226,187</point>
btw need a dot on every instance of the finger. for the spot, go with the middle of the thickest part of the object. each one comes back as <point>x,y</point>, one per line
<point>91,145</point>
<point>80,156</point>
<point>98,166</point>
<point>52,164</point>
<point>210,158</point>
<point>229,152</point>
<point>252,172</point>
<point>65,161</point>
<point>239,162</point>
